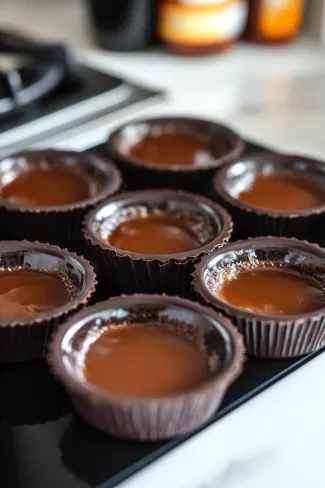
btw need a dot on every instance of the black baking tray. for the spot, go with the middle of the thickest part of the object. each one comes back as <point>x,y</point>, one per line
<point>44,444</point>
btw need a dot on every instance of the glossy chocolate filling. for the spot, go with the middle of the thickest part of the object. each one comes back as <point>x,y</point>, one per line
<point>145,360</point>
<point>283,190</point>
<point>272,290</point>
<point>153,234</point>
<point>48,185</point>
<point>26,292</point>
<point>177,147</point>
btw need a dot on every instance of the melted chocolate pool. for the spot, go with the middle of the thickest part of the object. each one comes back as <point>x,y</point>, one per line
<point>283,190</point>
<point>177,147</point>
<point>145,360</point>
<point>153,234</point>
<point>27,292</point>
<point>48,186</point>
<point>273,291</point>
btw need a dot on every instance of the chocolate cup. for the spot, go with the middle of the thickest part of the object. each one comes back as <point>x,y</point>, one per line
<point>250,220</point>
<point>148,418</point>
<point>23,339</point>
<point>61,223</point>
<point>267,336</point>
<point>145,174</point>
<point>147,273</point>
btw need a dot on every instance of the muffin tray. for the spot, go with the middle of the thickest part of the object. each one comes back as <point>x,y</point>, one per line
<point>42,443</point>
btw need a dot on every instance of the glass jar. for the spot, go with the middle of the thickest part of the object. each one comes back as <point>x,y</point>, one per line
<point>274,21</point>
<point>201,26</point>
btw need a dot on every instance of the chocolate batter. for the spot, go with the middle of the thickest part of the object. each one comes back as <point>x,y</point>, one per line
<point>145,360</point>
<point>48,185</point>
<point>27,292</point>
<point>177,147</point>
<point>273,291</point>
<point>153,234</point>
<point>283,190</point>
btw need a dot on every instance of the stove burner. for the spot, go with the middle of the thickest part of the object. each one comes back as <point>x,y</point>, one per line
<point>48,68</point>
<point>45,93</point>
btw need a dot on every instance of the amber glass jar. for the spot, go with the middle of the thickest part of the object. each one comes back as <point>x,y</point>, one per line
<point>201,26</point>
<point>274,21</point>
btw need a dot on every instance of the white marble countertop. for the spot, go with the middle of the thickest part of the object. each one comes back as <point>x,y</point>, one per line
<point>275,96</point>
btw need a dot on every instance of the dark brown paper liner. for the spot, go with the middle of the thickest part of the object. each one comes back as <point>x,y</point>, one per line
<point>62,223</point>
<point>248,224</point>
<point>268,336</point>
<point>281,339</point>
<point>252,221</point>
<point>26,339</point>
<point>105,287</point>
<point>132,273</point>
<point>145,175</point>
<point>154,418</point>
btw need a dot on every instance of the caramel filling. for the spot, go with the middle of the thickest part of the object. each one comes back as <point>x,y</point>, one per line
<point>273,291</point>
<point>177,147</point>
<point>28,292</point>
<point>153,234</point>
<point>145,360</point>
<point>283,190</point>
<point>48,186</point>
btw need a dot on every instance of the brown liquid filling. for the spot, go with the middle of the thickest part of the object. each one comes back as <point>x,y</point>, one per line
<point>273,291</point>
<point>145,360</point>
<point>153,234</point>
<point>28,292</point>
<point>48,185</point>
<point>282,190</point>
<point>178,148</point>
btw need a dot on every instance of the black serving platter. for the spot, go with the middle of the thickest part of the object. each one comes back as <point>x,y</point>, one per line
<point>43,444</point>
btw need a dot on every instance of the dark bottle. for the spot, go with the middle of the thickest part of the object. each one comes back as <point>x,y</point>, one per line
<point>123,25</point>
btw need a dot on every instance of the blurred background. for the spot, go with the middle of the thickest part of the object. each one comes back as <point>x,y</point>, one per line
<point>256,64</point>
<point>134,24</point>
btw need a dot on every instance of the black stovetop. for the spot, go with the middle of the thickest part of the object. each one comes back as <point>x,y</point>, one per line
<point>90,84</point>
<point>94,95</point>
<point>48,91</point>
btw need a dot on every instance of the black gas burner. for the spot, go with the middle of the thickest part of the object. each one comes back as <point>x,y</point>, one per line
<point>48,92</point>
<point>22,86</point>
<point>48,67</point>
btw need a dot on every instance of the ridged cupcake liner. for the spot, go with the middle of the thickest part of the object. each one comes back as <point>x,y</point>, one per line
<point>281,339</point>
<point>26,339</point>
<point>281,336</point>
<point>56,224</point>
<point>25,343</point>
<point>144,276</point>
<point>105,284</point>
<point>248,224</point>
<point>152,418</point>
<point>252,221</point>
<point>141,175</point>
<point>47,226</point>
<point>137,422</point>
<point>131,272</point>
